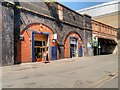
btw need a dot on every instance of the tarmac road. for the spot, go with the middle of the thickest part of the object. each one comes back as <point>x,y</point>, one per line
<point>67,73</point>
<point>110,83</point>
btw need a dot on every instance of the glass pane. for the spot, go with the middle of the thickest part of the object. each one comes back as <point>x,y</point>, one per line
<point>42,49</point>
<point>38,50</point>
<point>38,43</point>
<point>43,43</point>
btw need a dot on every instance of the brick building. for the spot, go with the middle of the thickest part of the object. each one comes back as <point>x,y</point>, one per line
<point>29,29</point>
<point>107,38</point>
<point>107,13</point>
<point>105,24</point>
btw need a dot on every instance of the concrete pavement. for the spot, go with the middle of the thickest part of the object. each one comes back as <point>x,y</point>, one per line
<point>68,73</point>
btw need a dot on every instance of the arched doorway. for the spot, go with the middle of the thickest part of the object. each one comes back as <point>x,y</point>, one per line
<point>37,39</point>
<point>40,44</point>
<point>73,45</point>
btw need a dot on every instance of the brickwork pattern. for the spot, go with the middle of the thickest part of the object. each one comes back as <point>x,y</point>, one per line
<point>17,21</point>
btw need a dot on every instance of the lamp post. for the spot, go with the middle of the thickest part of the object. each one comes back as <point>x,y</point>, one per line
<point>99,48</point>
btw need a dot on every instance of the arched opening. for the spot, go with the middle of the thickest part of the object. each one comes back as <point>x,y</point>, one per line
<point>40,44</point>
<point>37,39</point>
<point>73,45</point>
<point>104,46</point>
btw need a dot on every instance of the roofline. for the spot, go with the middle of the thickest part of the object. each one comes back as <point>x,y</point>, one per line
<point>113,13</point>
<point>104,24</point>
<point>54,2</point>
<point>100,5</point>
<point>69,8</point>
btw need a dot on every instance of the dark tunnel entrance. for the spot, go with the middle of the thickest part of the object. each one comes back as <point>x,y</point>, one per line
<point>105,46</point>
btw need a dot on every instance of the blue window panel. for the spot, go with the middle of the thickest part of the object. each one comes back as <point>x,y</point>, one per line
<point>33,52</point>
<point>54,53</point>
<point>80,51</point>
<point>70,52</point>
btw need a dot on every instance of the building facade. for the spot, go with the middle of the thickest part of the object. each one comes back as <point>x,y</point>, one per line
<point>106,37</point>
<point>31,28</point>
<point>104,25</point>
<point>107,13</point>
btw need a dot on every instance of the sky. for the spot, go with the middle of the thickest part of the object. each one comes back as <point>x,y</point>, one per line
<point>79,5</point>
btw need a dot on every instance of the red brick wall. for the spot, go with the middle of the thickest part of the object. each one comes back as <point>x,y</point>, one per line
<point>103,30</point>
<point>25,47</point>
<point>67,44</point>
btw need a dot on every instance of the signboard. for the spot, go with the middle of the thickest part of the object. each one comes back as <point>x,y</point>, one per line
<point>55,36</point>
<point>88,45</point>
<point>95,41</point>
<point>73,41</point>
<point>21,38</point>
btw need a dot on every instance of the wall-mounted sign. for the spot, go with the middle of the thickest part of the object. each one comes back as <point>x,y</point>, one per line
<point>89,45</point>
<point>95,41</point>
<point>73,41</point>
<point>21,38</point>
<point>54,36</point>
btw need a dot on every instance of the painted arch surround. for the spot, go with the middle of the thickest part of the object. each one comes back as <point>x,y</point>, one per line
<point>24,47</point>
<point>67,43</point>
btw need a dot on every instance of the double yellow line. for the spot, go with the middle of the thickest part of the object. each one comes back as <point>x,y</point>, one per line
<point>104,80</point>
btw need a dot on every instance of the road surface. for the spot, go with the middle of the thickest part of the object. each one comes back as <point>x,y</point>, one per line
<point>82,72</point>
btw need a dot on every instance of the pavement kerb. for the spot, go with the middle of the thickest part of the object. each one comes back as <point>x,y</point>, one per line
<point>53,61</point>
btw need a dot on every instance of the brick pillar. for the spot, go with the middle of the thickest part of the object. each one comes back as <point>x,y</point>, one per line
<point>61,51</point>
<point>88,50</point>
<point>7,35</point>
<point>118,34</point>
